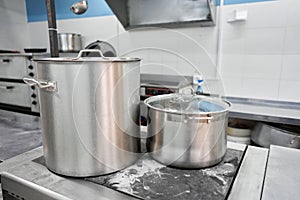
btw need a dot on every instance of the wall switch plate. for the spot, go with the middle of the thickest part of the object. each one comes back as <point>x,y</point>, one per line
<point>239,15</point>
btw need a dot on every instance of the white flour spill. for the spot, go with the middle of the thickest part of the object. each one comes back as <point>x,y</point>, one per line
<point>125,178</point>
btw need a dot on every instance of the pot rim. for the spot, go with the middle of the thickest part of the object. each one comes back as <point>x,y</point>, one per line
<point>86,59</point>
<point>166,96</point>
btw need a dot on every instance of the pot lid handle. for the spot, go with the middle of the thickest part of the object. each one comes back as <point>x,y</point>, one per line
<point>89,51</point>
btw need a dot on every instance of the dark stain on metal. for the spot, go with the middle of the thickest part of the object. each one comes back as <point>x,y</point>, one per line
<point>149,179</point>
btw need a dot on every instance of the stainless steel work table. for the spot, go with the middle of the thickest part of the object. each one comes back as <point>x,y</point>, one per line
<point>265,110</point>
<point>263,174</point>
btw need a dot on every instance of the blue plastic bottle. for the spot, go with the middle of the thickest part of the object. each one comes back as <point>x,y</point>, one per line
<point>199,90</point>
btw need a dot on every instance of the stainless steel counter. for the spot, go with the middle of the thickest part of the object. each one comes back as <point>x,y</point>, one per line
<point>262,175</point>
<point>27,178</point>
<point>265,110</point>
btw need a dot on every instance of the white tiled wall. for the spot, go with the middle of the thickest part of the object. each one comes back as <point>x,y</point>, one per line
<point>92,29</point>
<point>172,51</point>
<point>13,23</point>
<point>180,51</point>
<point>260,57</point>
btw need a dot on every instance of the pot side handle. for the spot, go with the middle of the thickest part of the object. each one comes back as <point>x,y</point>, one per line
<point>48,85</point>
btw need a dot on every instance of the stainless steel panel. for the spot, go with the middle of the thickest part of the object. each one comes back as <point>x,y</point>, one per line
<point>283,112</point>
<point>13,67</point>
<point>23,189</point>
<point>248,184</point>
<point>14,94</point>
<point>22,169</point>
<point>282,179</point>
<point>143,12</point>
<point>32,180</point>
<point>69,42</point>
<point>165,13</point>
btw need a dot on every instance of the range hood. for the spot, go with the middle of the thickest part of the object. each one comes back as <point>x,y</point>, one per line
<point>164,13</point>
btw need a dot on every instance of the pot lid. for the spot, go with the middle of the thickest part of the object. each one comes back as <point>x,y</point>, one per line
<point>187,104</point>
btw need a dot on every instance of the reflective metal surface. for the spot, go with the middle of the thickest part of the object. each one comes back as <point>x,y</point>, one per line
<point>187,138</point>
<point>25,177</point>
<point>69,42</point>
<point>282,177</point>
<point>267,134</point>
<point>20,176</point>
<point>14,94</point>
<point>79,7</point>
<point>91,123</point>
<point>164,13</point>
<point>283,112</point>
<point>13,66</point>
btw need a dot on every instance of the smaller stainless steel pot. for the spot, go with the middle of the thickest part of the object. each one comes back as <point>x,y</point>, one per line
<point>265,134</point>
<point>69,42</point>
<point>187,131</point>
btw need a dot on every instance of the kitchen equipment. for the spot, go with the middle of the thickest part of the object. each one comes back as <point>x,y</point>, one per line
<point>155,84</point>
<point>79,7</point>
<point>14,94</point>
<point>69,42</point>
<point>239,139</point>
<point>89,112</point>
<point>265,134</point>
<point>187,131</point>
<point>164,13</point>
<point>107,49</point>
<point>239,132</point>
<point>9,51</point>
<point>134,182</point>
<point>35,50</point>
<point>240,127</point>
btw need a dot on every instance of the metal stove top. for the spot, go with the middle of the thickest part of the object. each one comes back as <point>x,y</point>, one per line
<point>148,179</point>
<point>27,177</point>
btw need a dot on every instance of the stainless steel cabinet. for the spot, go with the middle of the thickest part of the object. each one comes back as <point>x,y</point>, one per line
<point>13,67</point>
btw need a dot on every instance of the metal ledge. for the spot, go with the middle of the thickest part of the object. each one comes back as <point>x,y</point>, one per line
<point>265,110</point>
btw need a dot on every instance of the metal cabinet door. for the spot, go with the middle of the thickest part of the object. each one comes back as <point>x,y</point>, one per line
<point>13,67</point>
<point>14,94</point>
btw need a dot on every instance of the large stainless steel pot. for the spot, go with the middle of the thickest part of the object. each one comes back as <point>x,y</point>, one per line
<point>89,112</point>
<point>187,131</point>
<point>69,42</point>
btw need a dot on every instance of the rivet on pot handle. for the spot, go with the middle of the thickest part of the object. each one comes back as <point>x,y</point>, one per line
<point>89,51</point>
<point>48,85</point>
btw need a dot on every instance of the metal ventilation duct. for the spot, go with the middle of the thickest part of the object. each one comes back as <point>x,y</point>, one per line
<point>164,13</point>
